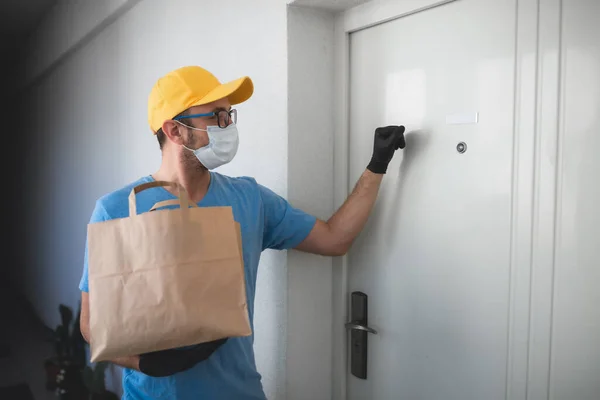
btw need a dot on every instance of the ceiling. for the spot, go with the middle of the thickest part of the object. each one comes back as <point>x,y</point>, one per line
<point>19,17</point>
<point>333,5</point>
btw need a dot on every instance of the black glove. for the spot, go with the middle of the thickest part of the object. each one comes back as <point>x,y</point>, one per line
<point>387,141</point>
<point>172,361</point>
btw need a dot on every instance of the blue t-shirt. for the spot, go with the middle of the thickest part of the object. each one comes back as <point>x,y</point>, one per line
<point>267,221</point>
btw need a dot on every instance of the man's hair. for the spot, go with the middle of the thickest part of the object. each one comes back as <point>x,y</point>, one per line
<point>160,135</point>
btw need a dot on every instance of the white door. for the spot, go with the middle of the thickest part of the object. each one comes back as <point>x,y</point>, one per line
<point>434,258</point>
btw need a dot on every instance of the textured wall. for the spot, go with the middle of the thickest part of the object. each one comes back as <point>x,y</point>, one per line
<point>88,135</point>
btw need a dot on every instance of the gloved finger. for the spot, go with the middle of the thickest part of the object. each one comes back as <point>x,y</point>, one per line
<point>399,140</point>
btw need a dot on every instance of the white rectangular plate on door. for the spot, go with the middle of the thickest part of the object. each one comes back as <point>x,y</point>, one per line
<point>462,118</point>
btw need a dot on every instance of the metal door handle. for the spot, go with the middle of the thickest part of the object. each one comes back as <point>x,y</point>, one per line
<point>359,327</point>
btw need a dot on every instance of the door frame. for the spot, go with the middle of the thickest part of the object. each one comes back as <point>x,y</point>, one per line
<point>347,22</point>
<point>537,71</point>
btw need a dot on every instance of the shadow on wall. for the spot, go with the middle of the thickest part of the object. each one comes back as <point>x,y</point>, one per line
<point>14,161</point>
<point>30,365</point>
<point>40,363</point>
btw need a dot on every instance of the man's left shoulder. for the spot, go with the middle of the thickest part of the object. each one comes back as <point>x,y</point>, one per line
<point>237,181</point>
<point>244,185</point>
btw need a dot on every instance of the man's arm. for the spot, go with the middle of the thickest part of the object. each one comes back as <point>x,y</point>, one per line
<point>132,362</point>
<point>335,236</point>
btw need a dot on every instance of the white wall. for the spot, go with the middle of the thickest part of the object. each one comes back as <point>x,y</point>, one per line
<point>555,323</point>
<point>88,135</point>
<point>575,326</point>
<point>310,108</point>
<point>66,27</point>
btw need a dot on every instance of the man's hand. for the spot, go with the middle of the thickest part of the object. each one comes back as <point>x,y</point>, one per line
<point>169,362</point>
<point>387,141</point>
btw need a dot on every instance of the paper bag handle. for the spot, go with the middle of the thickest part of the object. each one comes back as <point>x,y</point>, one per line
<point>165,203</point>
<point>183,200</point>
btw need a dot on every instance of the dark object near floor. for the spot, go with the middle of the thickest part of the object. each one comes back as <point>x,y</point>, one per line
<point>16,392</point>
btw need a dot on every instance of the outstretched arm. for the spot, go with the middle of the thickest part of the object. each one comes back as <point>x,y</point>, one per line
<point>335,236</point>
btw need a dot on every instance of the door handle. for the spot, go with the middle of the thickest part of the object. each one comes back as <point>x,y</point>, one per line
<point>359,330</point>
<point>359,327</point>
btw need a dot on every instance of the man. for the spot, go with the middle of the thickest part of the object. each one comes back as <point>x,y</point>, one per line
<point>190,112</point>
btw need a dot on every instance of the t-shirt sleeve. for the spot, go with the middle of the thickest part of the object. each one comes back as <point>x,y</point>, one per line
<point>99,214</point>
<point>285,227</point>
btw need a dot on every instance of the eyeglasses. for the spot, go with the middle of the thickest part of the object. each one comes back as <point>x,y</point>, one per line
<point>224,117</point>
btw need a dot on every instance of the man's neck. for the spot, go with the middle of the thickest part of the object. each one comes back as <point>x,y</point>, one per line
<point>194,180</point>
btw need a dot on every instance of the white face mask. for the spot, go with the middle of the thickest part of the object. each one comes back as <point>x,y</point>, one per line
<point>221,148</point>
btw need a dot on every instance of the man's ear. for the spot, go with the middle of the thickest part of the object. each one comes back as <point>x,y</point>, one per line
<point>173,131</point>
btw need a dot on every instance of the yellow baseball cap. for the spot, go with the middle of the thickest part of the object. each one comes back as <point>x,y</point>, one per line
<point>188,87</point>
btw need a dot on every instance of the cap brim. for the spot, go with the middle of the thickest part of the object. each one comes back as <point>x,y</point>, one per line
<point>236,92</point>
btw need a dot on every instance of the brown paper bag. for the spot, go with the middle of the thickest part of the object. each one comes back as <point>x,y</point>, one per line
<point>165,279</point>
